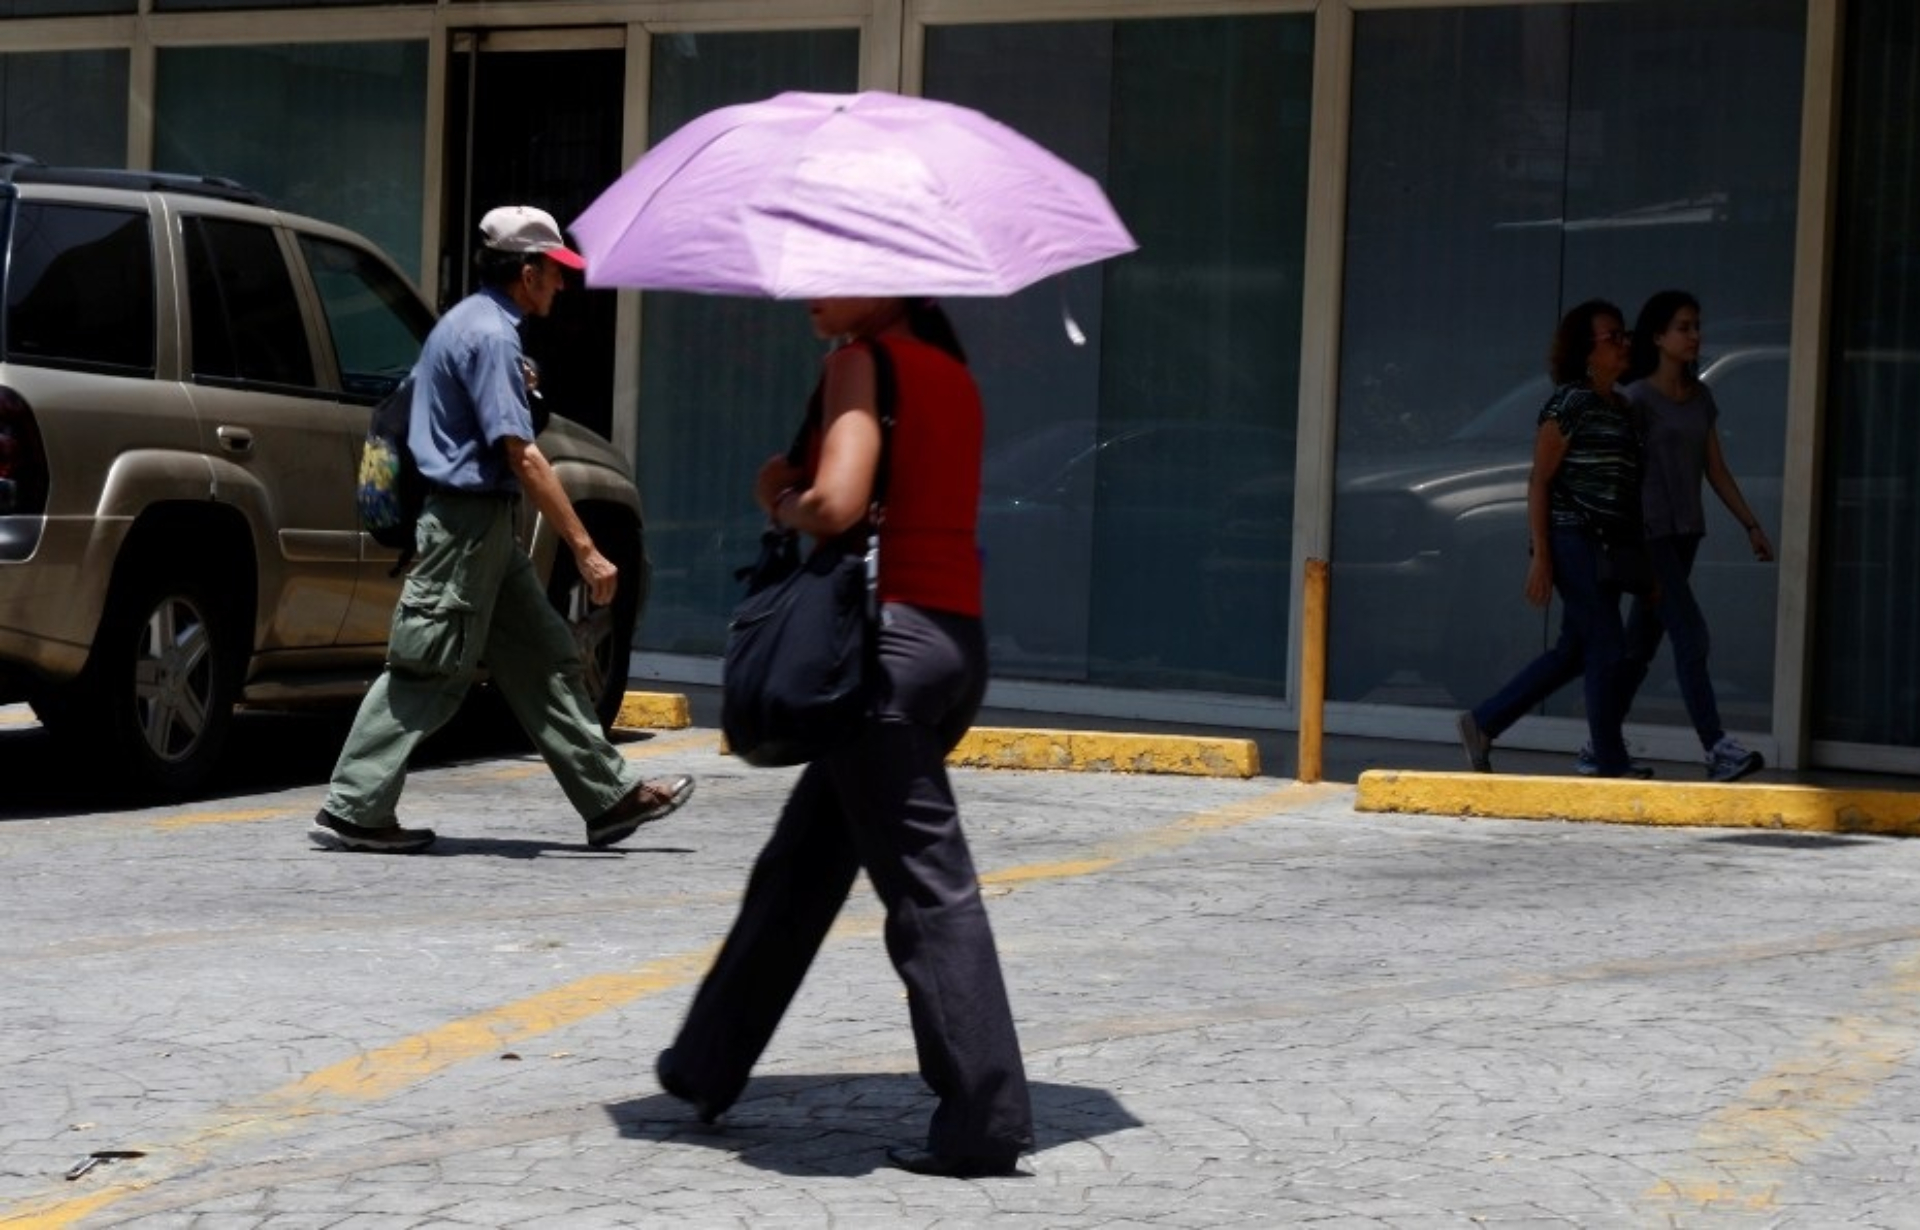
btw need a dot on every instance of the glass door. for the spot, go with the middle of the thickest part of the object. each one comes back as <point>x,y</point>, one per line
<point>534,119</point>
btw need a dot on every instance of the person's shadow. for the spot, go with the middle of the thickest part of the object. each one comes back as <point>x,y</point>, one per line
<point>839,1125</point>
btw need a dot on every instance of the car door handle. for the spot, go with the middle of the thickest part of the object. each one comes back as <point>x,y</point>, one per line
<point>234,439</point>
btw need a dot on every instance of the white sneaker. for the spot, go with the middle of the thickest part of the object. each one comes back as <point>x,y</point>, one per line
<point>1729,762</point>
<point>1586,766</point>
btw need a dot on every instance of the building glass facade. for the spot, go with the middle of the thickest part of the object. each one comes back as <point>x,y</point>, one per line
<point>1424,186</point>
<point>1116,468</point>
<point>736,371</point>
<point>336,129</point>
<point>1867,653</point>
<point>65,107</point>
<point>1506,163</point>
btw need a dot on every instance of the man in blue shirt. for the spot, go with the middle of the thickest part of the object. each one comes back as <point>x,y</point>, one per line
<point>472,595</point>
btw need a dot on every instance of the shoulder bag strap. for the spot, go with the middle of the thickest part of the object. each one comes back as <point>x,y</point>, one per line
<point>886,397</point>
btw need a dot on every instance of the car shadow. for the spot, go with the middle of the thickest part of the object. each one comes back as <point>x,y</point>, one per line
<point>839,1125</point>
<point>46,777</point>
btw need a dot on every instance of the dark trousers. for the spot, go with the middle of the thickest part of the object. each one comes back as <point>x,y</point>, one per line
<point>882,803</point>
<point>1677,614</point>
<point>1592,647</point>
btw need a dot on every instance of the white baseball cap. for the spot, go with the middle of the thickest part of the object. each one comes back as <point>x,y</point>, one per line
<point>522,228</point>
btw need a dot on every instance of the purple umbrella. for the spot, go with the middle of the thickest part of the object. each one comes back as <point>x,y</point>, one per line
<point>807,196</point>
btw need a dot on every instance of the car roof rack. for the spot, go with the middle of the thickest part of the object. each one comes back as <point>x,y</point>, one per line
<point>18,168</point>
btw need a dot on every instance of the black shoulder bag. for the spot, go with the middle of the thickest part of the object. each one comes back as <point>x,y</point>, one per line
<point>797,673</point>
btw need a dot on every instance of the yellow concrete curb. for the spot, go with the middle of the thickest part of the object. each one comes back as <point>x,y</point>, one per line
<point>1091,751</point>
<point>1757,805</point>
<point>987,747</point>
<point>654,711</point>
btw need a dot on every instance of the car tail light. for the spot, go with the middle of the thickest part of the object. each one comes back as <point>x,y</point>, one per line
<point>23,459</point>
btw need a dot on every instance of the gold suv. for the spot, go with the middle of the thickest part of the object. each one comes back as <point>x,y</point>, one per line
<point>186,376</point>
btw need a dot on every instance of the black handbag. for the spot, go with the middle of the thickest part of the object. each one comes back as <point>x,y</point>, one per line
<point>1624,564</point>
<point>796,676</point>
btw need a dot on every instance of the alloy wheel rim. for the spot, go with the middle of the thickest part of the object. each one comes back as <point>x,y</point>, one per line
<point>173,679</point>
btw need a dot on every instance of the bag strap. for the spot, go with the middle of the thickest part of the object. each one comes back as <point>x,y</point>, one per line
<point>886,395</point>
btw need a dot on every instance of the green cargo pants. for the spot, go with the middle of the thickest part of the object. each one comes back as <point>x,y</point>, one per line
<point>472,597</point>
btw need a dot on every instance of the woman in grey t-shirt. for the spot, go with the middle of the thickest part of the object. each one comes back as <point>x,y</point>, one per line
<point>1678,418</point>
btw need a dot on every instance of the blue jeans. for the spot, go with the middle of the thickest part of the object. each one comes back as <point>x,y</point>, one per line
<point>1592,646</point>
<point>1677,615</point>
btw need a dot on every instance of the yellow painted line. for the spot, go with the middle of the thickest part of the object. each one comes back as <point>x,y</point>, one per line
<point>705,741</point>
<point>987,747</point>
<point>1184,831</point>
<point>195,819</point>
<point>1047,871</point>
<point>654,711</point>
<point>53,1215</point>
<point>672,745</point>
<point>1709,804</point>
<point>378,1074</point>
<point>389,1070</point>
<point>1747,1153</point>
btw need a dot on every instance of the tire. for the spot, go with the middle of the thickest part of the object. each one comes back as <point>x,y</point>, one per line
<point>160,687</point>
<point>604,634</point>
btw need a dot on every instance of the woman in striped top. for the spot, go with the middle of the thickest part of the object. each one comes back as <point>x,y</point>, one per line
<point>1584,485</point>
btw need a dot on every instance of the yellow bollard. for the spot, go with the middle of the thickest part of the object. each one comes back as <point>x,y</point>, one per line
<point>1313,670</point>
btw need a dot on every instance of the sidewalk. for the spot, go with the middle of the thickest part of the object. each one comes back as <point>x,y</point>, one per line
<point>1243,1002</point>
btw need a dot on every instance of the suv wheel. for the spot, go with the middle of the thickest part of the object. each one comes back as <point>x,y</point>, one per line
<point>604,634</point>
<point>163,680</point>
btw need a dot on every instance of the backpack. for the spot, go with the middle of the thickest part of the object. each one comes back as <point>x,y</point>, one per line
<point>392,490</point>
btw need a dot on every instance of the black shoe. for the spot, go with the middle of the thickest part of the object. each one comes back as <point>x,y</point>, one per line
<point>671,1081</point>
<point>1479,747</point>
<point>643,804</point>
<point>330,832</point>
<point>960,1166</point>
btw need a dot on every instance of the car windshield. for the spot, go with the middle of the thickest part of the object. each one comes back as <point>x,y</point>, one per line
<point>1031,459</point>
<point>1511,416</point>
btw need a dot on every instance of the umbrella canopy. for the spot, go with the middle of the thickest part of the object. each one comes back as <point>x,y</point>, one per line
<point>807,196</point>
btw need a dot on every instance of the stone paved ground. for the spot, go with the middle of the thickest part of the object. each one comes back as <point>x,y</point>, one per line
<point>1242,1003</point>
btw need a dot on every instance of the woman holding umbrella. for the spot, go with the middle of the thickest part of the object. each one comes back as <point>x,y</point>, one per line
<point>862,205</point>
<point>883,802</point>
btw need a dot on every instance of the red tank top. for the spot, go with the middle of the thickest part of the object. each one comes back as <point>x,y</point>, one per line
<point>929,555</point>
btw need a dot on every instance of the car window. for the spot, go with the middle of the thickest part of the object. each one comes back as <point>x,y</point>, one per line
<point>377,322</point>
<point>245,313</point>
<point>80,288</point>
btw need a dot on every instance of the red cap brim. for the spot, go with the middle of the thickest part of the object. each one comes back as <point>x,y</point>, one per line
<point>566,256</point>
